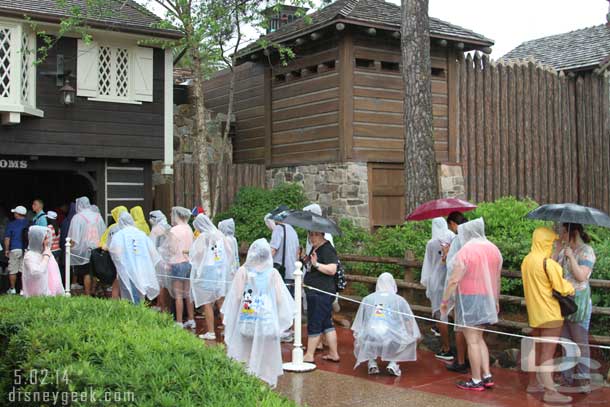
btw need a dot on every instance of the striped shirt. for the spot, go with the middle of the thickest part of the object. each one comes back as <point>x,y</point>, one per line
<point>54,239</point>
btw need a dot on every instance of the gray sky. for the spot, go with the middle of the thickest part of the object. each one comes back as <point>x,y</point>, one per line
<point>507,22</point>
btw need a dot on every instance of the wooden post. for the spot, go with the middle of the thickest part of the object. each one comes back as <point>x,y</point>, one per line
<point>346,96</point>
<point>472,147</point>
<point>409,271</point>
<point>480,132</point>
<point>517,160</point>
<point>504,135</point>
<point>488,136</point>
<point>495,112</point>
<point>535,138</point>
<point>605,133</point>
<point>542,96</point>
<point>550,158</point>
<point>525,178</point>
<point>452,87</point>
<point>268,102</point>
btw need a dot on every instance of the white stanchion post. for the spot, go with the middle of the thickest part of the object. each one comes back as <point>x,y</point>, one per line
<point>67,271</point>
<point>297,364</point>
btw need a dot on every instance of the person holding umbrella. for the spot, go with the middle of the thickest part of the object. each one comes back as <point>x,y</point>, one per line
<point>577,259</point>
<point>320,275</point>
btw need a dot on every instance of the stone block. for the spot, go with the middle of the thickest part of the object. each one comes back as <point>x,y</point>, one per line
<point>355,202</point>
<point>298,177</point>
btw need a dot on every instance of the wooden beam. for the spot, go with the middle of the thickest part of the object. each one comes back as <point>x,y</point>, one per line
<point>346,97</point>
<point>268,120</point>
<point>452,86</point>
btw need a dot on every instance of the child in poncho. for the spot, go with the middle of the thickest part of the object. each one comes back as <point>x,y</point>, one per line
<point>385,328</point>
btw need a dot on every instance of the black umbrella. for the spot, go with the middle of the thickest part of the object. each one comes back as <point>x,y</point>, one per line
<point>570,213</point>
<point>312,222</point>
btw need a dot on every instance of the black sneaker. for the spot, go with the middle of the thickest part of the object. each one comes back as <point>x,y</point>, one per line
<point>457,368</point>
<point>488,382</point>
<point>470,385</point>
<point>444,355</point>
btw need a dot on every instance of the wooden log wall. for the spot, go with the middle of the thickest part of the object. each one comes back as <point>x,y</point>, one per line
<point>305,110</point>
<point>186,186</point>
<point>378,130</point>
<point>249,145</point>
<point>528,131</point>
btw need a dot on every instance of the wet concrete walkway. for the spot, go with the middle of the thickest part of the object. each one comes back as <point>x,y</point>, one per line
<point>425,382</point>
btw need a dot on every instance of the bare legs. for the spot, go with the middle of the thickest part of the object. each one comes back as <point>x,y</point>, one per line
<point>12,279</point>
<point>460,344</point>
<point>478,354</point>
<point>443,329</point>
<point>312,344</point>
<point>181,292</point>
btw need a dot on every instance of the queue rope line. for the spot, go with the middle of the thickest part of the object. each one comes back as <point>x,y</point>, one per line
<point>537,339</point>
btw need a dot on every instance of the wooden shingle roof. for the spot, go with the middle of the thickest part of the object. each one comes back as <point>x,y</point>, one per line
<point>120,15</point>
<point>370,12</point>
<point>576,50</point>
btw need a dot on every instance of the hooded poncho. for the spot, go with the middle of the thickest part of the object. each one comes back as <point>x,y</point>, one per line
<point>41,274</point>
<point>86,230</point>
<point>211,257</point>
<point>135,259</point>
<point>434,270</point>
<point>138,217</point>
<point>384,326</point>
<point>116,213</point>
<point>257,309</point>
<point>476,269</point>
<point>227,227</point>
<point>542,308</point>
<point>159,235</point>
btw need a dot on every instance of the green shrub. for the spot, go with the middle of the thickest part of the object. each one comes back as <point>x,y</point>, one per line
<point>113,346</point>
<point>252,204</point>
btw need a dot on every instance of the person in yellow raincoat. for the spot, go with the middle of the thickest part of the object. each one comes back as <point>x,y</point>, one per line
<point>542,275</point>
<point>105,241</point>
<point>138,216</point>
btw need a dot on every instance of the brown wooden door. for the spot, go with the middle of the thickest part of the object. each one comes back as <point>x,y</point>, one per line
<point>386,194</point>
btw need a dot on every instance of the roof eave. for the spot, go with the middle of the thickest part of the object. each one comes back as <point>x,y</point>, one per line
<point>56,19</point>
<point>351,21</point>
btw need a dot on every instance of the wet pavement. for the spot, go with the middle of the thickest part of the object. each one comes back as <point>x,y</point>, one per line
<point>425,382</point>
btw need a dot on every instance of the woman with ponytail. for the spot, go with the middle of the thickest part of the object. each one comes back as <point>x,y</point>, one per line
<point>577,259</point>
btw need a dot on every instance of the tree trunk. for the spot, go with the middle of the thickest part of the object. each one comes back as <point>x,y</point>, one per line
<point>200,136</point>
<point>421,177</point>
<point>220,178</point>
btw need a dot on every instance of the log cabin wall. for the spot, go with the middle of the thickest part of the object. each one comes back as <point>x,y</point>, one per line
<point>378,130</point>
<point>249,109</point>
<point>304,105</point>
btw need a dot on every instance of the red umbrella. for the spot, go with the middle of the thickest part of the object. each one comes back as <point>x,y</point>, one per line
<point>440,207</point>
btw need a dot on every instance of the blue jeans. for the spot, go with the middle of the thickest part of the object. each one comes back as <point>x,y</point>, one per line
<point>125,293</point>
<point>319,313</point>
<point>579,333</point>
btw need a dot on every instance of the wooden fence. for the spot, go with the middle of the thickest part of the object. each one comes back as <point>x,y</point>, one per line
<point>186,182</point>
<point>527,131</point>
<point>407,283</point>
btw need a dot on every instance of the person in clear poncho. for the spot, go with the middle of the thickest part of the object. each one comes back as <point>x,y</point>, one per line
<point>211,257</point>
<point>385,328</point>
<point>434,274</point>
<point>41,274</point>
<point>227,227</point>
<point>159,232</point>
<point>135,259</point>
<point>107,235</point>
<point>86,229</point>
<point>177,267</point>
<point>257,309</point>
<point>473,289</point>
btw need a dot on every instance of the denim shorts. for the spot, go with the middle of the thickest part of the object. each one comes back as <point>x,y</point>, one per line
<point>181,270</point>
<point>319,313</point>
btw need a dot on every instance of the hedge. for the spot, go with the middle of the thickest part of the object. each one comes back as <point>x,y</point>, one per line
<point>113,347</point>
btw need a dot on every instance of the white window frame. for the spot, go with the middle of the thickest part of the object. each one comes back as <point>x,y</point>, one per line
<point>15,104</point>
<point>91,89</point>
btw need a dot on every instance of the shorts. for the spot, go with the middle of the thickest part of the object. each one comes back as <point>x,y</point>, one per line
<point>475,310</point>
<point>82,270</point>
<point>290,286</point>
<point>319,313</point>
<point>15,261</point>
<point>181,270</point>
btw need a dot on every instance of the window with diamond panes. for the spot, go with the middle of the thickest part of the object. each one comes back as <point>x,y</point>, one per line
<point>5,62</point>
<point>113,65</point>
<point>26,64</point>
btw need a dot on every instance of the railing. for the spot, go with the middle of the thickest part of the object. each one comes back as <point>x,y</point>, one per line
<point>410,265</point>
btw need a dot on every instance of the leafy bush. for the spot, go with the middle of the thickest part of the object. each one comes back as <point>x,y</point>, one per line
<point>84,343</point>
<point>252,204</point>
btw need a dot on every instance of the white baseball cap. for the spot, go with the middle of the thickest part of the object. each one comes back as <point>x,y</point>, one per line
<point>52,215</point>
<point>20,210</point>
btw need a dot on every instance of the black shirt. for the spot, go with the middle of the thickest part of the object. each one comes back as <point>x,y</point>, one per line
<point>315,278</point>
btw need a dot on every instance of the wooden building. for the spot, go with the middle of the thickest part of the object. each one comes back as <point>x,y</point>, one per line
<point>336,110</point>
<point>103,145</point>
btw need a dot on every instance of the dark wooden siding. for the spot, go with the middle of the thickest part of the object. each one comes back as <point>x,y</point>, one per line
<point>305,110</point>
<point>249,140</point>
<point>89,128</point>
<point>378,129</point>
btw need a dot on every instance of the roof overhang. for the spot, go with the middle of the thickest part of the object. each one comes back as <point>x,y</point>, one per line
<point>57,19</point>
<point>469,43</point>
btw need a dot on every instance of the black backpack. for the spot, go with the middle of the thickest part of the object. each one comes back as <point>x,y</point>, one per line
<point>24,235</point>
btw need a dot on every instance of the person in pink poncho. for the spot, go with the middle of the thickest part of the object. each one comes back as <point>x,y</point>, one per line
<point>40,270</point>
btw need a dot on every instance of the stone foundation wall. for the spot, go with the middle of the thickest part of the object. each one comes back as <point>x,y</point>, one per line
<point>341,189</point>
<point>451,181</point>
